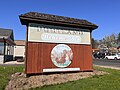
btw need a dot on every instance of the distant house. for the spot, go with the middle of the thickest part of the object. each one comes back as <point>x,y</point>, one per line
<point>19,49</point>
<point>6,45</point>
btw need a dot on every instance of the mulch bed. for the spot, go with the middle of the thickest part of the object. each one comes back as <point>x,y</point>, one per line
<point>19,81</point>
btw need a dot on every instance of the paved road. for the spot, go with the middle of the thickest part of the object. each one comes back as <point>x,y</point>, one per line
<point>104,62</point>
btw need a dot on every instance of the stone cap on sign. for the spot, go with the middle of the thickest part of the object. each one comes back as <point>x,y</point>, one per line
<point>35,17</point>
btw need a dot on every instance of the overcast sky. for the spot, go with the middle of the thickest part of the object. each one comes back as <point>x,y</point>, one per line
<point>104,13</point>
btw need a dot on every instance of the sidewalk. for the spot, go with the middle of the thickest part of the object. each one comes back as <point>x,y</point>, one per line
<point>12,63</point>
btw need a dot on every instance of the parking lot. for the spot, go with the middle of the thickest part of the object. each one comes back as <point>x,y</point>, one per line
<point>105,62</point>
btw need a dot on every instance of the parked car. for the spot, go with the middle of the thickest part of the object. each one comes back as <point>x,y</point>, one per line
<point>98,55</point>
<point>113,56</point>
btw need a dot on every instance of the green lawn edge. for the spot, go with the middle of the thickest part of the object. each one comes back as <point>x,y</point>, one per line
<point>6,72</point>
<point>109,81</point>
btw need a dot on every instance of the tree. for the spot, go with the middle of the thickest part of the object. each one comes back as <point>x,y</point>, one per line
<point>94,43</point>
<point>110,41</point>
<point>118,39</point>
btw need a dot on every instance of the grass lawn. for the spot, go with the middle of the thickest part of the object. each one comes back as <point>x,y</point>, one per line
<point>5,74</point>
<point>106,82</point>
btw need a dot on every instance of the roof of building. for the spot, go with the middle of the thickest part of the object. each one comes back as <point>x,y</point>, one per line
<point>6,33</point>
<point>54,19</point>
<point>20,42</point>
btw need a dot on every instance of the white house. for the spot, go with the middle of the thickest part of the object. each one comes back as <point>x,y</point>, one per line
<point>19,49</point>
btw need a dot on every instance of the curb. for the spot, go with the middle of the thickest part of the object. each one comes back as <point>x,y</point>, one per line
<point>111,67</point>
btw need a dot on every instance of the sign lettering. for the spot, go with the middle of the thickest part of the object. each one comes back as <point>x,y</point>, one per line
<point>57,34</point>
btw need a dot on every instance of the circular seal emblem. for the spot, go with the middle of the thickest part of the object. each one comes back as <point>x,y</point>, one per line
<point>61,55</point>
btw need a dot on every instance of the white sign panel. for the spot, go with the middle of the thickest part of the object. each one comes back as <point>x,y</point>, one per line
<point>60,38</point>
<point>61,69</point>
<point>57,34</point>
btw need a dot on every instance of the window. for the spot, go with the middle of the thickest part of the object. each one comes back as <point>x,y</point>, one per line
<point>1,48</point>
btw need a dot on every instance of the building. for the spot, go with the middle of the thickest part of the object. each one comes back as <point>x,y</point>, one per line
<point>19,49</point>
<point>6,45</point>
<point>56,43</point>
